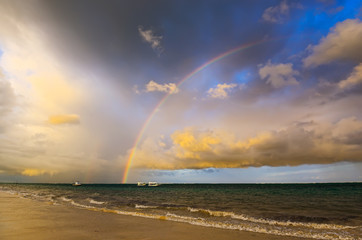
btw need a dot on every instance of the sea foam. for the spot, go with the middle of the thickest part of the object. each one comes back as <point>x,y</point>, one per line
<point>92,201</point>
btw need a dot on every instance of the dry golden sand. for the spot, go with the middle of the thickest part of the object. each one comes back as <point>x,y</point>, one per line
<point>30,219</point>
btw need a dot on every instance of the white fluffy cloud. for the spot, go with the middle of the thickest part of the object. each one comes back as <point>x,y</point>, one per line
<point>275,14</point>
<point>343,42</point>
<point>221,90</point>
<point>151,38</point>
<point>170,88</point>
<point>279,75</point>
<point>354,78</point>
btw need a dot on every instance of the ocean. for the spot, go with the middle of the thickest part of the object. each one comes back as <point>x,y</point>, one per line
<point>314,211</point>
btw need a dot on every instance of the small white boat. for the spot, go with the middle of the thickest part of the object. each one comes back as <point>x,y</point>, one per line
<point>153,184</point>
<point>141,184</point>
<point>77,183</point>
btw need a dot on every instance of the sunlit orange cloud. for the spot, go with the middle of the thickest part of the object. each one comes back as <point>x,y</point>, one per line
<point>36,172</point>
<point>190,144</point>
<point>64,119</point>
<point>316,143</point>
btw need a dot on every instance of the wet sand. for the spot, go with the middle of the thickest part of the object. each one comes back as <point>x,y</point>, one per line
<point>30,219</point>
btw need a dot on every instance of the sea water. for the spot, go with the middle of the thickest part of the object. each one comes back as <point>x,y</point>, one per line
<point>319,211</point>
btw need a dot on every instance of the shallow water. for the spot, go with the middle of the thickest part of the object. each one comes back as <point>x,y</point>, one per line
<point>320,211</point>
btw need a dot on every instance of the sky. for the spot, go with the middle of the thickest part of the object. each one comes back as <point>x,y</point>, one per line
<point>180,91</point>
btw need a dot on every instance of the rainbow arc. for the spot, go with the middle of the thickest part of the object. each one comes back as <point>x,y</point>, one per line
<point>163,100</point>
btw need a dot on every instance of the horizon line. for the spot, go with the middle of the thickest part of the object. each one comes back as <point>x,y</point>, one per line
<point>185,182</point>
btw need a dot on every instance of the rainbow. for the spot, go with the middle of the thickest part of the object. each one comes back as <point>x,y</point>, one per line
<point>188,76</point>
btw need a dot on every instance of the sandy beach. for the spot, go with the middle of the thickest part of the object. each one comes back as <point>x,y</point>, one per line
<point>30,219</point>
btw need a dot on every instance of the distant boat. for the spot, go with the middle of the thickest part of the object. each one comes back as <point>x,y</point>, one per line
<point>141,184</point>
<point>77,183</point>
<point>153,184</point>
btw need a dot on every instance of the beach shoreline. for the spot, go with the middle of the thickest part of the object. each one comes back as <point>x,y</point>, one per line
<point>23,218</point>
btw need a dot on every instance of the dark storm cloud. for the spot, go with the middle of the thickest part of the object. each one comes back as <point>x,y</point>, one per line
<point>107,33</point>
<point>104,37</point>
